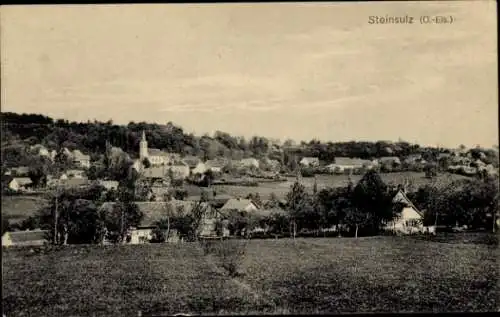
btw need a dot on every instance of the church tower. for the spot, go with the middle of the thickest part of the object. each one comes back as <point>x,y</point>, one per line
<point>143,147</point>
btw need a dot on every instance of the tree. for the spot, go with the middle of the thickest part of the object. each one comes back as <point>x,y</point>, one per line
<point>146,163</point>
<point>430,170</point>
<point>118,220</point>
<point>371,196</point>
<point>357,217</point>
<point>161,232</point>
<point>297,199</point>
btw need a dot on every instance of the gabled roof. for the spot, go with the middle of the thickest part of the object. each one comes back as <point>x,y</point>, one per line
<point>215,163</point>
<point>157,210</point>
<point>158,152</point>
<point>108,184</point>
<point>155,172</point>
<point>27,236</point>
<point>79,155</point>
<point>191,161</point>
<point>401,197</point>
<point>74,182</point>
<point>20,170</point>
<point>310,159</point>
<point>237,204</point>
<point>23,180</point>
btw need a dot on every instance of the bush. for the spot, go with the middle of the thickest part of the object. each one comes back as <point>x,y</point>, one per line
<point>229,253</point>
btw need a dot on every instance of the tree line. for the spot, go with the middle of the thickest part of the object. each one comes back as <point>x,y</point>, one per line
<point>92,137</point>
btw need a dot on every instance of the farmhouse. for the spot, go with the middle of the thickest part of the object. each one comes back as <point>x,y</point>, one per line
<point>180,170</point>
<point>40,150</point>
<point>250,162</point>
<point>309,161</point>
<point>74,182</point>
<point>344,163</point>
<point>410,219</point>
<point>199,169</point>
<point>80,159</point>
<point>191,161</point>
<point>18,171</point>
<point>20,183</point>
<point>390,160</point>
<point>216,165</point>
<point>73,174</point>
<point>239,205</point>
<point>157,211</point>
<point>24,238</point>
<point>109,185</point>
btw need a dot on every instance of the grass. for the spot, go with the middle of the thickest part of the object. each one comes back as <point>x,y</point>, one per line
<point>280,189</point>
<point>18,208</point>
<point>375,274</point>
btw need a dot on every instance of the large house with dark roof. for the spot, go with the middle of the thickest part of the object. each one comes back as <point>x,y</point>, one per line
<point>156,211</point>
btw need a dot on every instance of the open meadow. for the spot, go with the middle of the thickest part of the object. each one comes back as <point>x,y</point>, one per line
<point>280,189</point>
<point>317,275</point>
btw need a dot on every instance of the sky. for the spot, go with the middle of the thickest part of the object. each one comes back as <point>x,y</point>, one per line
<point>294,70</point>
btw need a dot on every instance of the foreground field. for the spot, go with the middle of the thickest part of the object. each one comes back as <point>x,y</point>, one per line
<point>378,274</point>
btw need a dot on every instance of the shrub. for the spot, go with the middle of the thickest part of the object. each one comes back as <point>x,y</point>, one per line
<point>230,254</point>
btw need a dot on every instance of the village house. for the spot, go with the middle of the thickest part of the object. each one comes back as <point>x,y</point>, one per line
<point>272,165</point>
<point>157,211</point>
<point>18,171</point>
<point>180,170</point>
<point>344,163</point>
<point>392,161</point>
<point>73,174</point>
<point>216,165</point>
<point>109,185</point>
<point>250,162</point>
<point>309,161</point>
<point>191,161</point>
<point>74,182</point>
<point>239,204</point>
<point>24,238</point>
<point>199,169</point>
<point>40,150</point>
<point>20,183</point>
<point>410,220</point>
<point>155,156</point>
<point>81,159</point>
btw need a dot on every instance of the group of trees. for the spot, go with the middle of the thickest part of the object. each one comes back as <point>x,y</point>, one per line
<point>75,216</point>
<point>366,207</point>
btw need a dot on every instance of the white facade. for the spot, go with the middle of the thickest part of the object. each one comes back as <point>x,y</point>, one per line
<point>199,169</point>
<point>410,221</point>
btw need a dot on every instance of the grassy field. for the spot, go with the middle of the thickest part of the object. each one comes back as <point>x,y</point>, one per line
<point>376,274</point>
<point>18,208</point>
<point>280,189</point>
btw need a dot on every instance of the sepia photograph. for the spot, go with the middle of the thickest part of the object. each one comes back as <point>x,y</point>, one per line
<point>249,158</point>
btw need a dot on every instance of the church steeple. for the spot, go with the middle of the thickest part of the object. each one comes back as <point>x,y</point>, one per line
<point>143,146</point>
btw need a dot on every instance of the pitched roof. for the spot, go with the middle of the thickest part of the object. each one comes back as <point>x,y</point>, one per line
<point>158,152</point>
<point>401,197</point>
<point>310,159</point>
<point>72,182</point>
<point>157,210</point>
<point>215,163</point>
<point>191,161</point>
<point>108,184</point>
<point>79,155</point>
<point>155,172</point>
<point>27,236</point>
<point>20,170</point>
<point>22,180</point>
<point>237,204</point>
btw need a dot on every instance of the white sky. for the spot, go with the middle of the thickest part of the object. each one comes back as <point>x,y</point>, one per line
<point>296,70</point>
